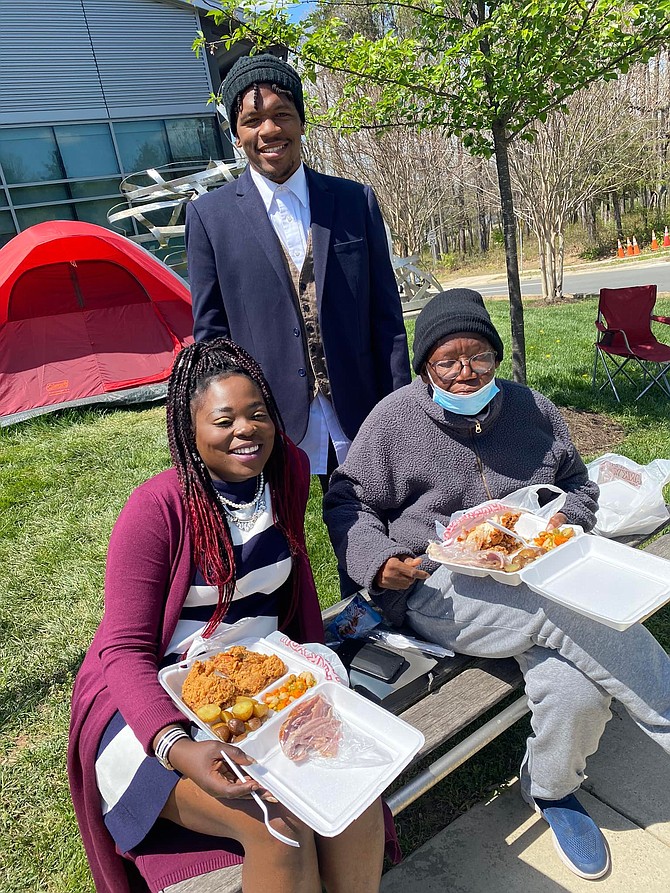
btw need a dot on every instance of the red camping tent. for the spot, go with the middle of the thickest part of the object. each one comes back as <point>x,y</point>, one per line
<point>84,312</point>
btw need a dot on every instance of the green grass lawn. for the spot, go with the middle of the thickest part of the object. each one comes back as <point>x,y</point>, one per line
<point>63,481</point>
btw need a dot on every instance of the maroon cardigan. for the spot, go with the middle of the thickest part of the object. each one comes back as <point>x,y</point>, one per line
<point>149,572</point>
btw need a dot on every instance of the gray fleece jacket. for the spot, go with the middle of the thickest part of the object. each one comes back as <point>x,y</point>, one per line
<point>413,463</point>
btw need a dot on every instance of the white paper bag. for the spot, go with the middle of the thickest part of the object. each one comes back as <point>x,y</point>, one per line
<point>631,495</point>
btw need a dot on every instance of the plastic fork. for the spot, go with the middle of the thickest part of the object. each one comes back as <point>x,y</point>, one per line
<point>512,533</point>
<point>266,818</point>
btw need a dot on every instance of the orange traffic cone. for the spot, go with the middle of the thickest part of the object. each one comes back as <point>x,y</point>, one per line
<point>619,249</point>
<point>629,248</point>
<point>654,241</point>
<point>636,247</point>
<point>666,239</point>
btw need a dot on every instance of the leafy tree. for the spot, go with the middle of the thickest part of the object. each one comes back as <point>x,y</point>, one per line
<point>485,71</point>
<point>589,151</point>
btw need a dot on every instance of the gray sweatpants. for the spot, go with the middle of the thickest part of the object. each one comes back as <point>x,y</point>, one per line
<point>572,668</point>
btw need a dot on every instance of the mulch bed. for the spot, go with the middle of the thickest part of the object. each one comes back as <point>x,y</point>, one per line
<point>593,434</point>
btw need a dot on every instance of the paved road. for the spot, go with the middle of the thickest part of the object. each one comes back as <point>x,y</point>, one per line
<point>591,281</point>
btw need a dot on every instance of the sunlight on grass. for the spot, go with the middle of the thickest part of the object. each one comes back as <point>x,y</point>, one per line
<point>63,481</point>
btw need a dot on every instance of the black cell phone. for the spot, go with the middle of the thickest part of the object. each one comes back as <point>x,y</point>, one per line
<point>377,662</point>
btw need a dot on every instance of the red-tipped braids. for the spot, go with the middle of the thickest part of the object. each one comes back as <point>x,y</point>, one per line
<point>195,368</point>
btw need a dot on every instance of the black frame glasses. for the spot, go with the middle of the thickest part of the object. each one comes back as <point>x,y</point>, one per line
<point>479,364</point>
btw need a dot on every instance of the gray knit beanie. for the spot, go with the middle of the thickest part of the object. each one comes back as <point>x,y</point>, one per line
<point>455,310</point>
<point>262,69</point>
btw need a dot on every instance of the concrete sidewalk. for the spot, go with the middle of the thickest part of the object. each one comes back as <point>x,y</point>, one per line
<point>502,846</point>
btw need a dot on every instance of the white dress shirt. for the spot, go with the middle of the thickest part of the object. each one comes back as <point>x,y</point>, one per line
<point>287,206</point>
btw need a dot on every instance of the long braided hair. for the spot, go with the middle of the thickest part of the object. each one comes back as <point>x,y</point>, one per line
<point>195,368</point>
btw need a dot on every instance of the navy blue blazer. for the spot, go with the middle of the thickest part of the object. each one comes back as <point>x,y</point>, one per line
<point>241,289</point>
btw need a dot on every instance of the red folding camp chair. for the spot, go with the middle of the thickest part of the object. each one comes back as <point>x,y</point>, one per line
<point>626,344</point>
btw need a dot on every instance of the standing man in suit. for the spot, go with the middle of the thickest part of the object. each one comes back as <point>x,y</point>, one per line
<point>294,266</point>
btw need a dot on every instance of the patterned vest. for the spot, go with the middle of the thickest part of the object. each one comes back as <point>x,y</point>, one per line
<point>304,295</point>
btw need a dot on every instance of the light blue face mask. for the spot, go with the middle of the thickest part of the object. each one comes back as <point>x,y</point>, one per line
<point>464,404</point>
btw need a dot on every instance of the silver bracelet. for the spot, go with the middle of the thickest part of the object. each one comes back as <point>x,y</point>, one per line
<point>164,746</point>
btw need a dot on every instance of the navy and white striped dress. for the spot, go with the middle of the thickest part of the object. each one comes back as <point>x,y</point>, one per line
<point>134,787</point>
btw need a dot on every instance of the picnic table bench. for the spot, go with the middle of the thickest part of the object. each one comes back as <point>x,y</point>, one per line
<point>464,690</point>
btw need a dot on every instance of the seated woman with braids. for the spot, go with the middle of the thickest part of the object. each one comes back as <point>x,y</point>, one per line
<point>218,537</point>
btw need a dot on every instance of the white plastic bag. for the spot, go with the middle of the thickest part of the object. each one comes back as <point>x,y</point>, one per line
<point>631,495</point>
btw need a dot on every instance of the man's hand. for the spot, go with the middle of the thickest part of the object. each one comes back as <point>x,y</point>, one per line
<point>399,573</point>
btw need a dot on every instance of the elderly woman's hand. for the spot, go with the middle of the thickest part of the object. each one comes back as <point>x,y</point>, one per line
<point>399,572</point>
<point>202,762</point>
<point>557,520</point>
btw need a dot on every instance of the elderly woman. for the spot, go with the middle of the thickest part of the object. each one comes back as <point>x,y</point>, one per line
<point>454,438</point>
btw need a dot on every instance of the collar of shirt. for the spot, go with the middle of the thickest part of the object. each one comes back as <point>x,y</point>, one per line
<point>296,184</point>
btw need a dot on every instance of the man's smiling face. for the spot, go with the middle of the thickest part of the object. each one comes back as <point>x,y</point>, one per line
<point>270,133</point>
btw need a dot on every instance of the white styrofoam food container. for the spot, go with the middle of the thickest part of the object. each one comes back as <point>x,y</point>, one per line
<point>326,799</point>
<point>614,584</point>
<point>527,526</point>
<point>296,657</point>
<point>606,581</point>
<point>329,799</point>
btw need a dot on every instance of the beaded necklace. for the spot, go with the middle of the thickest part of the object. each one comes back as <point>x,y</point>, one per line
<point>245,514</point>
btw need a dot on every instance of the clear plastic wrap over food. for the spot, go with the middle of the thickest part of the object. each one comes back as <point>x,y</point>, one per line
<point>314,731</point>
<point>495,536</point>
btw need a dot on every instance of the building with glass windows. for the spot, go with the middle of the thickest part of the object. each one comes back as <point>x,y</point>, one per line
<point>94,90</point>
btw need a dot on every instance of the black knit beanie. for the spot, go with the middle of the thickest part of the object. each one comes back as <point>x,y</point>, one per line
<point>455,310</point>
<point>262,69</point>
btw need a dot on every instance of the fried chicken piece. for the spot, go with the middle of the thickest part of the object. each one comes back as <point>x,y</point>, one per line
<point>251,672</point>
<point>484,538</point>
<point>204,686</point>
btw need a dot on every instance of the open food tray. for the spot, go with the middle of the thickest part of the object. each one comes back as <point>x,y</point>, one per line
<point>528,526</point>
<point>607,581</point>
<point>326,797</point>
<point>329,799</point>
<point>296,657</point>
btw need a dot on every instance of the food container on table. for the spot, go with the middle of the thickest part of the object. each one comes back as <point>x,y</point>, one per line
<point>607,581</point>
<point>326,798</point>
<point>297,658</point>
<point>527,526</point>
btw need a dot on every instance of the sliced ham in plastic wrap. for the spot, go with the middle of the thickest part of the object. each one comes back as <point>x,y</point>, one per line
<point>311,729</point>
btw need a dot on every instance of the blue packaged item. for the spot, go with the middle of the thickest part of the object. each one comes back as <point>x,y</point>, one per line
<point>354,621</point>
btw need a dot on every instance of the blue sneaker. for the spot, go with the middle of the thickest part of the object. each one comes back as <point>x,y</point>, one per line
<point>577,839</point>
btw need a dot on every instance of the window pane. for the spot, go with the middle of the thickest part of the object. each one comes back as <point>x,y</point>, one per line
<point>192,138</point>
<point>30,154</point>
<point>37,195</point>
<point>142,144</point>
<point>7,228</point>
<point>95,212</point>
<point>96,187</point>
<point>3,199</point>
<point>87,150</point>
<point>30,216</point>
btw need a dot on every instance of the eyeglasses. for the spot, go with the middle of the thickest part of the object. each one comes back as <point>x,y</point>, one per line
<point>480,364</point>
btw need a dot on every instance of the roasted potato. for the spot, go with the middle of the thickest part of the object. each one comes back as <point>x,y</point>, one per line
<point>209,712</point>
<point>222,731</point>
<point>237,726</point>
<point>242,709</point>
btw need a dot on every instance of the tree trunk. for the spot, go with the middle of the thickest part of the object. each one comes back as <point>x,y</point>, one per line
<point>501,146</point>
<point>483,231</point>
<point>560,263</point>
<point>590,220</point>
<point>544,272</point>
<point>616,210</point>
